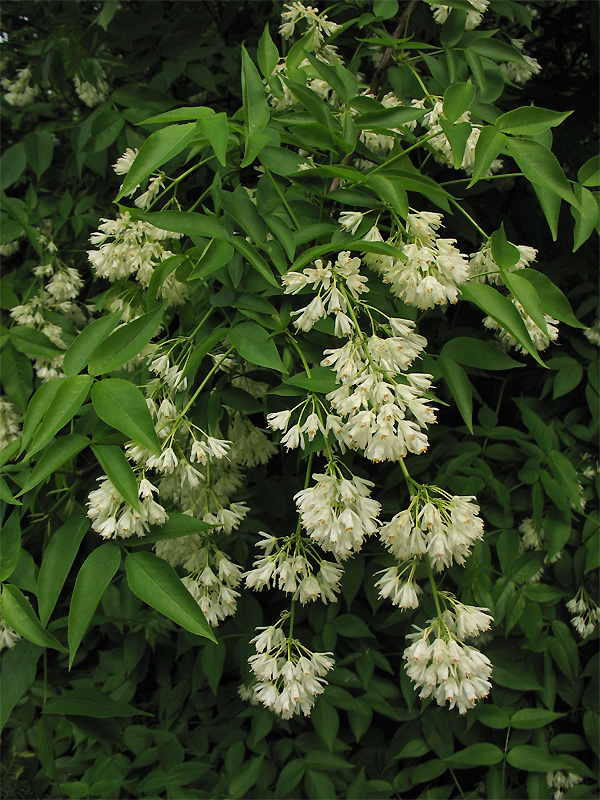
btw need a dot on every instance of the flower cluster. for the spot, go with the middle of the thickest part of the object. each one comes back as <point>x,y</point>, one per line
<point>8,636</point>
<point>113,517</point>
<point>447,668</point>
<point>561,781</point>
<point>441,525</point>
<point>586,611</point>
<point>212,580</point>
<point>297,11</point>
<point>540,338</point>
<point>9,427</point>
<point>92,94</point>
<point>474,15</point>
<point>432,268</point>
<point>333,283</point>
<point>131,248</point>
<point>295,567</point>
<point>288,675</point>
<point>20,93</point>
<point>338,513</point>
<point>482,266</point>
<point>521,71</point>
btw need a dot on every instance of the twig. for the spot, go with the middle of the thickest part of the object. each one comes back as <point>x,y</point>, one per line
<point>381,69</point>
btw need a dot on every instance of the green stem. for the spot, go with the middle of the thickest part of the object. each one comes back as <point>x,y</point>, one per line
<point>211,372</point>
<point>281,195</point>
<point>487,178</point>
<point>468,216</point>
<point>433,585</point>
<point>177,180</point>
<point>296,346</point>
<point>504,760</point>
<point>418,143</point>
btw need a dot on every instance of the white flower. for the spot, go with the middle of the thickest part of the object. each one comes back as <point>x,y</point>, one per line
<point>124,162</point>
<point>541,339</point>
<point>350,220</point>
<point>8,636</point>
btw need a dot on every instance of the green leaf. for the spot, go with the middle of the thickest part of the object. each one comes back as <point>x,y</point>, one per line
<point>19,666</point>
<point>160,147</point>
<point>282,231</point>
<point>483,753</point>
<point>255,345</point>
<point>60,451</point>
<point>502,311</point>
<point>33,342</point>
<point>159,275</point>
<point>125,343</point>
<point>245,213</point>
<point>458,135</point>
<point>156,583</point>
<point>550,204</point>
<point>68,399</point>
<point>557,526</point>
<point>351,626</point>
<point>121,405</point>
<point>187,222</point>
<point>326,722</point>
<point>522,290</point>
<point>175,526</point>
<point>39,150</point>
<point>343,82</point>
<point>180,115</point>
<point>12,165</point>
<point>479,354</point>
<point>529,120</point>
<point>460,388</point>
<point>10,544</point>
<point>492,716</point>
<point>387,117</point>
<point>586,220</point>
<point>246,777</point>
<point>256,108</point>
<point>90,338</point>
<point>496,50</point>
<point>45,747</point>
<point>566,475</point>
<point>589,173</point>
<point>268,54</point>
<point>57,562</point>
<point>16,374</point>
<point>253,257</point>
<point>289,777</point>
<point>18,613</point>
<point>457,99</point>
<point>553,300</point>
<point>529,718</point>
<point>116,466</point>
<point>216,130</point>
<point>38,406</point>
<point>90,702</point>
<point>321,379</point>
<point>94,577</point>
<point>385,9</point>
<point>391,192</point>
<point>540,165</point>
<point>213,659</point>
<point>504,253</point>
<point>6,494</point>
<point>534,759</point>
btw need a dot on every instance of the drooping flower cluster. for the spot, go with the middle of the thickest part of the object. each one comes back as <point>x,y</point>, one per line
<point>8,636</point>
<point>482,266</point>
<point>288,675</point>
<point>112,517</point>
<point>338,512</point>
<point>332,284</point>
<point>561,781</point>
<point>296,567</point>
<point>318,22</point>
<point>20,93</point>
<point>9,427</point>
<point>433,268</point>
<point>92,94</point>
<point>586,613</point>
<point>521,71</point>
<point>438,524</point>
<point>541,339</point>
<point>474,15</point>
<point>444,666</point>
<point>132,248</point>
<point>440,143</point>
<point>212,580</point>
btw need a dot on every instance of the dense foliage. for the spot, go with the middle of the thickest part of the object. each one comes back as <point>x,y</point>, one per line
<point>299,478</point>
